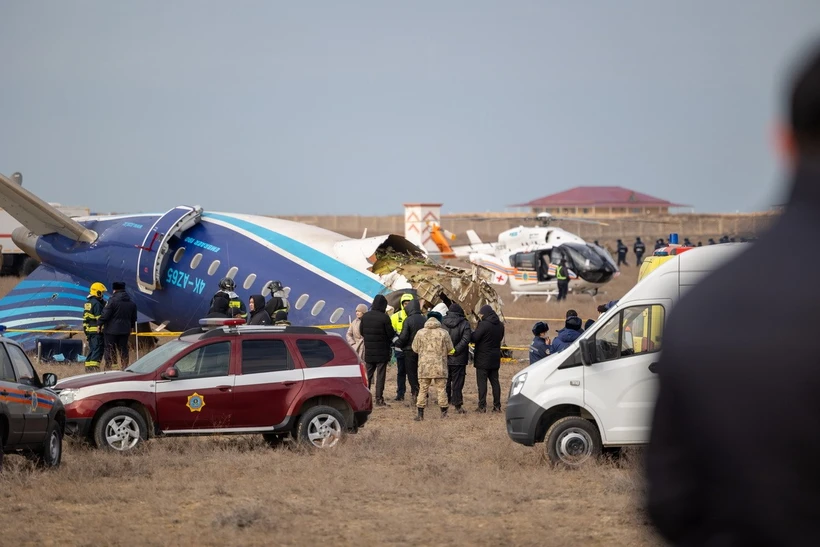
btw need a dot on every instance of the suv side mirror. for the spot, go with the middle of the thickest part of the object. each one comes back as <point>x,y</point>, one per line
<point>587,351</point>
<point>49,379</point>
<point>170,373</point>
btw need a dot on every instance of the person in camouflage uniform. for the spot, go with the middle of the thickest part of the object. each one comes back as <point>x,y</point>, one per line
<point>432,344</point>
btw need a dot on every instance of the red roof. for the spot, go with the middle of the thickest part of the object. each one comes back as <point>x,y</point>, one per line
<point>599,196</point>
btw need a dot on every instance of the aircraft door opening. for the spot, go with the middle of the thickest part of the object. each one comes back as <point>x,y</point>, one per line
<point>154,248</point>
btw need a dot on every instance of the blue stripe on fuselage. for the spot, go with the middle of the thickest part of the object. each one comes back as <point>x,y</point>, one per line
<point>323,262</point>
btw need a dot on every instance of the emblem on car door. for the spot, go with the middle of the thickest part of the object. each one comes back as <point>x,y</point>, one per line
<point>33,400</point>
<point>195,402</point>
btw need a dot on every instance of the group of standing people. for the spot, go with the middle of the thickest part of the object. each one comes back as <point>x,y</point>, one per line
<point>107,326</point>
<point>431,349</point>
<point>227,304</point>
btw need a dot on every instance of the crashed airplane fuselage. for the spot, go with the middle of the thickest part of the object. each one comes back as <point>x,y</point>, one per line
<point>171,264</point>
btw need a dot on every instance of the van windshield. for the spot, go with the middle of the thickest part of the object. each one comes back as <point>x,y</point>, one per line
<point>153,360</point>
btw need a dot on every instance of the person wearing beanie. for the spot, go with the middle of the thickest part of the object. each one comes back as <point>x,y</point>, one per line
<point>441,308</point>
<point>540,344</point>
<point>432,344</point>
<point>377,333</point>
<point>487,338</point>
<point>459,330</point>
<point>567,335</point>
<point>354,333</point>
<point>118,318</point>
<point>588,324</point>
<point>412,324</point>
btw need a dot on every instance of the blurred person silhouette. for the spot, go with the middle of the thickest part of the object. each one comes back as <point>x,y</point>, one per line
<point>732,458</point>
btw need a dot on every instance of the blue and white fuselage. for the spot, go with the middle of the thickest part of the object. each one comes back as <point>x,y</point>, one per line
<point>325,274</point>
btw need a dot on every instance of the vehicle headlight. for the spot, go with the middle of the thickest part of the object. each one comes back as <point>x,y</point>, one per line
<point>518,384</point>
<point>67,396</point>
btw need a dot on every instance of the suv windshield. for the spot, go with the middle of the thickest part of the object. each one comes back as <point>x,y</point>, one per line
<point>152,361</point>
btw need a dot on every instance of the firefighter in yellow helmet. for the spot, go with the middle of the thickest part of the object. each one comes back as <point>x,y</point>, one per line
<point>92,310</point>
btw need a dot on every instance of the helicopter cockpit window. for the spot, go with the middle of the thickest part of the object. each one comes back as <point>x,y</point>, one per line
<point>583,256</point>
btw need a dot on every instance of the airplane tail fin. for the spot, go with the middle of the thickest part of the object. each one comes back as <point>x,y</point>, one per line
<point>473,237</point>
<point>38,216</point>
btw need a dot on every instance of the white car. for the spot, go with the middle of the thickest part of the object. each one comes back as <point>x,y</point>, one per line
<point>599,393</point>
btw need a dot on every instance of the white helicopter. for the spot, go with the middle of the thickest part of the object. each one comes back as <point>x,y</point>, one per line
<point>526,257</point>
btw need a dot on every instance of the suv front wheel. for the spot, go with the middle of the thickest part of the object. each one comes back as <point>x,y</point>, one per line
<point>120,428</point>
<point>321,427</point>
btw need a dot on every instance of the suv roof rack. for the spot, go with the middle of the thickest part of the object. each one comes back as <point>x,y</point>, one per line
<point>258,329</point>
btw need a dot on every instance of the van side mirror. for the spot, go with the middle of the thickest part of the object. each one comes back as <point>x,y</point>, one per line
<point>49,379</point>
<point>171,373</point>
<point>587,351</point>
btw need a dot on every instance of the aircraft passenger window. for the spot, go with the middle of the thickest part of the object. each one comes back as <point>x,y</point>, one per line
<point>266,289</point>
<point>317,308</point>
<point>337,313</point>
<point>210,360</point>
<point>213,267</point>
<point>302,301</point>
<point>249,281</point>
<point>196,260</point>
<point>6,370</point>
<point>178,255</point>
<point>265,356</point>
<point>315,353</point>
<point>285,292</point>
<point>232,272</point>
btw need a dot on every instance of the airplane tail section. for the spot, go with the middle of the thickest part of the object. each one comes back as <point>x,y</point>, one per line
<point>38,216</point>
<point>46,304</point>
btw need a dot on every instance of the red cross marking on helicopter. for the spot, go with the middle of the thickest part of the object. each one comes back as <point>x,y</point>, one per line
<point>500,278</point>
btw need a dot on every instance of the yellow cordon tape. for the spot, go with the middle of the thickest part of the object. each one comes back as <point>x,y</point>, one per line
<point>166,333</point>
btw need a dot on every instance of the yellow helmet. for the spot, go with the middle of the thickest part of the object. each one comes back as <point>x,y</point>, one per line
<point>98,289</point>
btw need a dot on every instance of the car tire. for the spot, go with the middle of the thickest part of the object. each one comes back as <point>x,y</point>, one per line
<point>2,436</point>
<point>571,442</point>
<point>120,429</point>
<point>274,439</point>
<point>51,453</point>
<point>321,427</point>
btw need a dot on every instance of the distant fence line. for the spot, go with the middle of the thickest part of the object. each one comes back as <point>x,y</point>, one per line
<point>693,226</point>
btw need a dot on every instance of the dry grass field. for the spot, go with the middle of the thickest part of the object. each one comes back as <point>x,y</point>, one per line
<point>458,481</point>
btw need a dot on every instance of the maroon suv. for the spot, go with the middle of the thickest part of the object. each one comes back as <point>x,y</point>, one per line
<point>298,382</point>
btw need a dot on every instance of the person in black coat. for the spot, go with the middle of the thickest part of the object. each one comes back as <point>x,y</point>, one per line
<point>258,314</point>
<point>413,323</point>
<point>732,458</point>
<point>377,333</point>
<point>219,308</point>
<point>118,318</point>
<point>487,338</point>
<point>460,332</point>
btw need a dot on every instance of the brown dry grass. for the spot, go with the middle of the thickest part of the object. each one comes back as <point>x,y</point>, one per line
<point>459,481</point>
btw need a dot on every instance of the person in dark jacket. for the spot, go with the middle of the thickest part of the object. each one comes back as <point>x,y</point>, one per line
<point>411,325</point>
<point>118,318</point>
<point>258,314</point>
<point>219,308</point>
<point>378,333</point>
<point>459,329</point>
<point>639,248</point>
<point>732,458</point>
<point>567,335</point>
<point>277,303</point>
<point>540,344</point>
<point>622,252</point>
<point>487,338</point>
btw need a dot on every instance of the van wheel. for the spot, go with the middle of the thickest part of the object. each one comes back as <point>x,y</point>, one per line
<point>120,428</point>
<point>572,441</point>
<point>321,427</point>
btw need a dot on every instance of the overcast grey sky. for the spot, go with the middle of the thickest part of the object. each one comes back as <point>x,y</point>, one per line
<point>356,107</point>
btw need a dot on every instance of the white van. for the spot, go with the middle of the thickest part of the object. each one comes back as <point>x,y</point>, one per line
<point>598,394</point>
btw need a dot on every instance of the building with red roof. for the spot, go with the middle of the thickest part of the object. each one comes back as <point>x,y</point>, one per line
<point>600,201</point>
